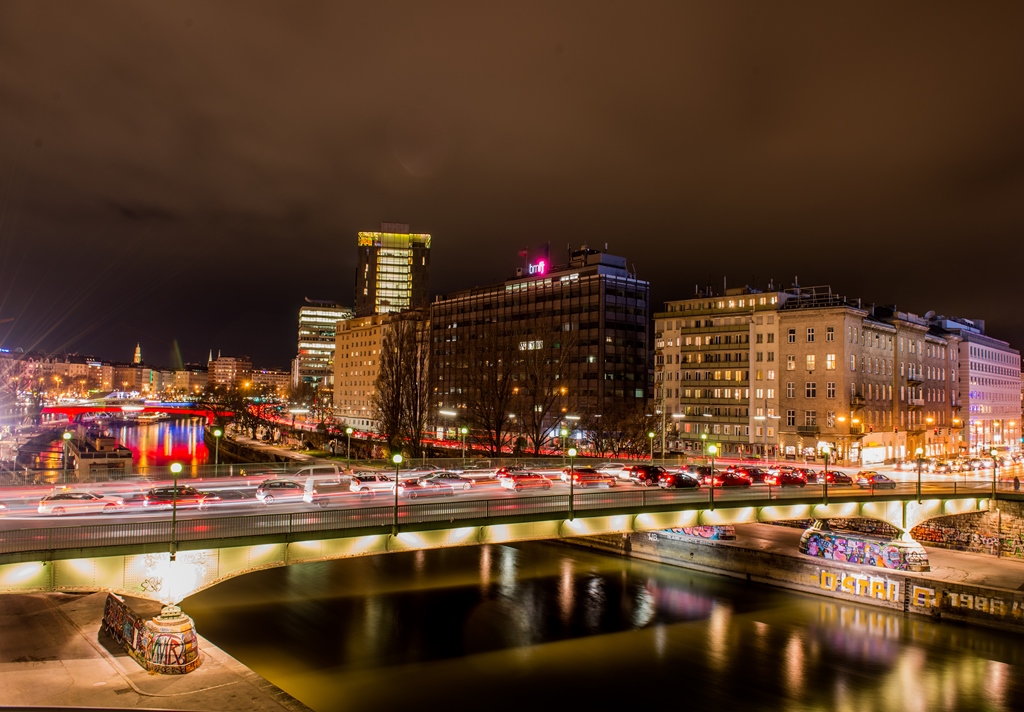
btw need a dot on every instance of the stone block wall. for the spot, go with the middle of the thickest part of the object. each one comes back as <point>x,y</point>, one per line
<point>995,532</point>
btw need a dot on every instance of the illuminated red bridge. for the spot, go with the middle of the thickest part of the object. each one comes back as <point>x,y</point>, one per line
<point>74,411</point>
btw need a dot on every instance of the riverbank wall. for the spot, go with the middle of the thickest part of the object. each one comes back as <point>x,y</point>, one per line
<point>900,591</point>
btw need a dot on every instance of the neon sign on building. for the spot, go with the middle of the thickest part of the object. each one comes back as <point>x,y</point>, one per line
<point>539,268</point>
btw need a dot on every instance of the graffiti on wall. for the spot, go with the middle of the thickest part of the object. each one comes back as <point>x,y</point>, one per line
<point>173,651</point>
<point>950,536</point>
<point>712,532</point>
<point>127,628</point>
<point>848,549</point>
<point>862,585</point>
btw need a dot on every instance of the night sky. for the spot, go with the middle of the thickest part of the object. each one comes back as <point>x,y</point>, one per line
<point>183,174</point>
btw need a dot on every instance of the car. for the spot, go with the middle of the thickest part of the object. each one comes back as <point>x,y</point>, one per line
<point>455,480</point>
<point>756,474</point>
<point>869,479</point>
<point>678,480</point>
<point>786,478</point>
<point>645,475</point>
<point>619,469</point>
<point>61,503</point>
<point>427,487</point>
<point>168,497</point>
<point>591,478</point>
<point>726,479</point>
<point>834,478</point>
<point>272,491</point>
<point>3,509</point>
<point>331,473</point>
<point>524,480</point>
<point>229,497</point>
<point>508,470</point>
<point>564,476</point>
<point>367,483</point>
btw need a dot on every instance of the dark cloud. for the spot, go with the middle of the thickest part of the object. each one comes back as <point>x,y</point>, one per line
<point>192,170</point>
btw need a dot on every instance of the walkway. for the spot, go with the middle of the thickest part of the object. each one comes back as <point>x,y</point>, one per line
<point>54,653</point>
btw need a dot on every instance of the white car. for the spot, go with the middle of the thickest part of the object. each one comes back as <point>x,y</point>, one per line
<point>61,503</point>
<point>369,482</point>
<point>618,469</point>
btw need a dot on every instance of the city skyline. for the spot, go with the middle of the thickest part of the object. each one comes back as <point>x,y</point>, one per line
<point>172,178</point>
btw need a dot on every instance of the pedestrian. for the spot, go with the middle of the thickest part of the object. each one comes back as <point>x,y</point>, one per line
<point>1016,483</point>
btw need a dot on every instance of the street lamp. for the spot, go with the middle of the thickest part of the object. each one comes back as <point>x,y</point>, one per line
<point>920,460</point>
<point>704,446</point>
<point>397,459</point>
<point>462,431</point>
<point>650,436</point>
<point>995,466</point>
<point>175,471</point>
<point>826,450</point>
<point>64,457</point>
<point>572,485</point>
<point>348,454</point>
<point>712,449</point>
<point>216,450</point>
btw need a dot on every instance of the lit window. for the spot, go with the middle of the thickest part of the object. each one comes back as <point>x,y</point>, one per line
<point>810,362</point>
<point>830,362</point>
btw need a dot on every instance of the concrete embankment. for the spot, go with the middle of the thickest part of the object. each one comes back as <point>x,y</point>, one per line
<point>54,653</point>
<point>969,588</point>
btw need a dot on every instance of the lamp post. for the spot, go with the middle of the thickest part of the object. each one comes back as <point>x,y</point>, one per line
<point>712,449</point>
<point>564,432</point>
<point>650,436</point>
<point>920,461</point>
<point>572,485</point>
<point>995,467</point>
<point>216,451</point>
<point>825,451</point>
<point>462,431</point>
<point>704,446</point>
<point>348,451</point>
<point>175,471</point>
<point>397,459</point>
<point>65,439</point>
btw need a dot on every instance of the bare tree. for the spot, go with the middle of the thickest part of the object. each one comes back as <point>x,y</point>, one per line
<point>401,391</point>
<point>540,392</point>
<point>491,363</point>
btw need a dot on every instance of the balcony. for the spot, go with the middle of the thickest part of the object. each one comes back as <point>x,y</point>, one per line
<point>915,402</point>
<point>857,402</point>
<point>808,430</point>
<point>915,377</point>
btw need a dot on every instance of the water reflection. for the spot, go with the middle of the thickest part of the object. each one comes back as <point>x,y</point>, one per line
<point>156,444</point>
<point>508,628</point>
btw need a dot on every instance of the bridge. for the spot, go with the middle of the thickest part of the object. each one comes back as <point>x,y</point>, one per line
<point>133,558</point>
<point>73,411</point>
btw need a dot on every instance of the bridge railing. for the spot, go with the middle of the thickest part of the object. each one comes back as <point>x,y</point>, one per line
<point>380,513</point>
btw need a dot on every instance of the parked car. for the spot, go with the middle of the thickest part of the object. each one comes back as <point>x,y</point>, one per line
<point>869,479</point>
<point>524,480</point>
<point>61,503</point>
<point>427,487</point>
<point>167,498</point>
<point>591,478</point>
<point>285,491</point>
<point>646,475</point>
<point>369,482</point>
<point>678,480</point>
<point>453,479</point>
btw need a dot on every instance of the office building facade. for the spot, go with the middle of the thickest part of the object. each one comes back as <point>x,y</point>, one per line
<point>318,325</point>
<point>393,269</point>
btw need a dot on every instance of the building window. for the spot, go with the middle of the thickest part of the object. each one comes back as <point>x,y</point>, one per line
<point>810,362</point>
<point>853,362</point>
<point>759,393</point>
<point>791,418</point>
<point>810,333</point>
<point>830,362</point>
<point>830,419</point>
<point>790,389</point>
<point>771,395</point>
<point>759,356</point>
<point>810,418</point>
<point>771,375</point>
<point>830,334</point>
<point>771,355</point>
<point>758,338</point>
<point>811,389</point>
<point>830,389</point>
<point>791,363</point>
<point>792,336</point>
<point>771,337</point>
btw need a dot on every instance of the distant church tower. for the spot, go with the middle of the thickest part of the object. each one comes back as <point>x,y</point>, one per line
<point>138,354</point>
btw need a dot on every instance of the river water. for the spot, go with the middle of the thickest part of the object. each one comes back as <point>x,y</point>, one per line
<point>546,626</point>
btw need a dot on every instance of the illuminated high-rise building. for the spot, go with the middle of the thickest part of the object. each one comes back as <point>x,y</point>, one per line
<point>393,269</point>
<point>318,324</point>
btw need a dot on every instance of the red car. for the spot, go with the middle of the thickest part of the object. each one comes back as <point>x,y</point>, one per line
<point>523,480</point>
<point>727,479</point>
<point>166,498</point>
<point>786,478</point>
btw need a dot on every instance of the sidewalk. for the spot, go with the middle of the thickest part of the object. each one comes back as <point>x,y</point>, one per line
<point>947,565</point>
<point>53,652</point>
